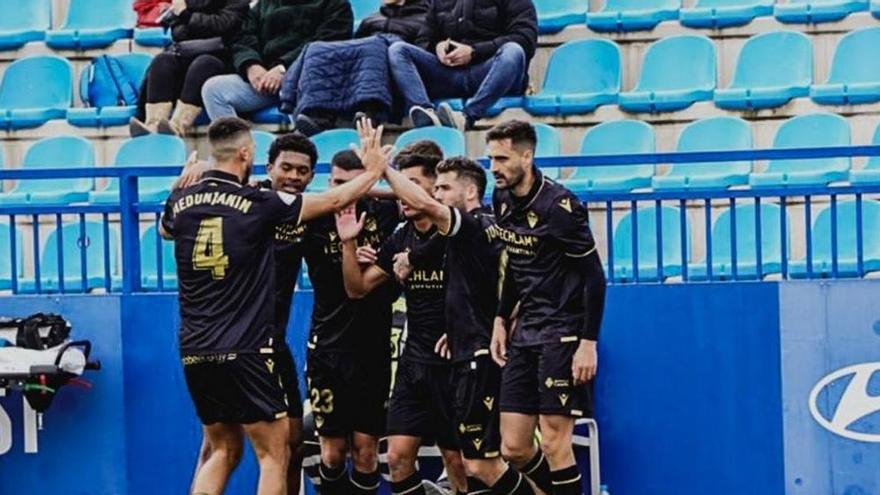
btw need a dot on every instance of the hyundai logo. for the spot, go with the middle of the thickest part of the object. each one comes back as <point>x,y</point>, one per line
<point>854,404</point>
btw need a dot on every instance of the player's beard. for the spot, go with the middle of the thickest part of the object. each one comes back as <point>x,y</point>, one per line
<point>247,174</point>
<point>511,179</point>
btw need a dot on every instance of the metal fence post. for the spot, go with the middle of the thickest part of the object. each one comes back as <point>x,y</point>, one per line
<point>128,217</point>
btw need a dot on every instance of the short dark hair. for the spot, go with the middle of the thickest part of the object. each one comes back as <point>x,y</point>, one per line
<point>519,132</point>
<point>226,128</point>
<point>347,160</point>
<point>295,142</point>
<point>422,153</point>
<point>465,168</point>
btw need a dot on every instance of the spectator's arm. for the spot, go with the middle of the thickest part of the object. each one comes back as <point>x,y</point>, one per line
<point>200,25</point>
<point>521,28</point>
<point>246,47</point>
<point>336,24</point>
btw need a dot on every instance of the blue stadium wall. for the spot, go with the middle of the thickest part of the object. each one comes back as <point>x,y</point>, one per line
<point>704,389</point>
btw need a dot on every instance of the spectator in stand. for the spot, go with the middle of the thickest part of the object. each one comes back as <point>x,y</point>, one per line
<point>178,73</point>
<point>342,92</point>
<point>274,34</point>
<point>481,53</point>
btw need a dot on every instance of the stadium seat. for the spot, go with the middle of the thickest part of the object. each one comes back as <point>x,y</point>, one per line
<point>263,141</point>
<point>6,256</point>
<point>76,244</point>
<point>556,15</point>
<point>501,105</point>
<point>145,151</point>
<point>772,68</point>
<point>855,71</point>
<point>269,115</point>
<point>807,131</point>
<point>34,90</point>
<point>676,72</point>
<point>646,232</point>
<point>712,134</point>
<point>549,144</point>
<point>451,141</point>
<point>154,36</point>
<point>847,242</point>
<point>871,173</point>
<point>27,21</point>
<point>718,14</point>
<point>813,11</point>
<point>615,137</point>
<point>363,9</point>
<point>875,8</point>
<point>746,243</point>
<point>150,261</point>
<point>54,152</point>
<point>581,75</point>
<point>135,67</point>
<point>328,144</point>
<point>93,24</point>
<point>632,15</point>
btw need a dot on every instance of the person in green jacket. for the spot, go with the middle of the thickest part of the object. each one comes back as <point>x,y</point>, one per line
<point>273,35</point>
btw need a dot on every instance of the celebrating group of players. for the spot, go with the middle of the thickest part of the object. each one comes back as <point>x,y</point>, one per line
<point>503,310</point>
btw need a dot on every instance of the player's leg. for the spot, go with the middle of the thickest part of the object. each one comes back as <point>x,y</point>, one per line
<point>520,404</point>
<point>287,372</point>
<point>556,443</point>
<point>365,463</point>
<point>295,446</point>
<point>332,469</point>
<point>332,409</point>
<point>270,441</point>
<point>374,381</point>
<point>455,470</point>
<point>204,452</point>
<point>403,450</point>
<point>225,445</point>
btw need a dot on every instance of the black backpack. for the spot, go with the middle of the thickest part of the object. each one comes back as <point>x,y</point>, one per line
<point>39,331</point>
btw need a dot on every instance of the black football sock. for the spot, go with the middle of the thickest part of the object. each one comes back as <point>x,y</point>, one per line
<point>512,482</point>
<point>364,483</point>
<point>567,481</point>
<point>476,486</point>
<point>538,470</point>
<point>409,486</point>
<point>333,480</point>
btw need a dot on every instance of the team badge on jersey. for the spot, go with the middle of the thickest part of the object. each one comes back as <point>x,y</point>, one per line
<point>565,204</point>
<point>489,402</point>
<point>532,217</point>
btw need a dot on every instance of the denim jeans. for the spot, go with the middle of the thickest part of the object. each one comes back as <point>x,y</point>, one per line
<point>421,77</point>
<point>226,96</point>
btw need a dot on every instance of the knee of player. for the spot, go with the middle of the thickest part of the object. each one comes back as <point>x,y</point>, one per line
<point>399,460</point>
<point>554,442</point>
<point>486,470</point>
<point>364,458</point>
<point>230,453</point>
<point>515,453</point>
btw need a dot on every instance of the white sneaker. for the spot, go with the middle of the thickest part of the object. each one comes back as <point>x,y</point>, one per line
<point>423,117</point>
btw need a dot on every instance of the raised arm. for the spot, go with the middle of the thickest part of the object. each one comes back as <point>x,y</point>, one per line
<point>358,283</point>
<point>419,200</point>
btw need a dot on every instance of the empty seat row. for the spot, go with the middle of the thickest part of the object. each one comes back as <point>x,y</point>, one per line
<point>749,261</point>
<point>771,69</point>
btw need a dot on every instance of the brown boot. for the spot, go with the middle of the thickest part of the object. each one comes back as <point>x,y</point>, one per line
<point>181,121</point>
<point>156,112</point>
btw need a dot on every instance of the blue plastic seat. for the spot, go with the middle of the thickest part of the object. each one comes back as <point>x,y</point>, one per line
<point>772,68</point>
<point>363,9</point>
<point>93,24</point>
<point>54,152</point>
<point>581,75</point>
<point>813,11</point>
<point>135,66</point>
<point>75,243</point>
<point>622,244</point>
<point>499,106</point>
<point>269,115</point>
<point>556,15</point>
<point>614,138</point>
<point>847,242</point>
<point>35,90</point>
<point>150,261</point>
<point>549,144</point>
<point>676,72</point>
<point>329,143</point>
<point>154,36</point>
<point>632,15</point>
<point>451,141</point>
<point>27,21</point>
<point>6,256</point>
<point>746,245</point>
<point>712,134</point>
<point>871,173</point>
<point>807,131</point>
<point>855,71</point>
<point>718,14</point>
<point>145,151</point>
<point>875,8</point>
<point>263,141</point>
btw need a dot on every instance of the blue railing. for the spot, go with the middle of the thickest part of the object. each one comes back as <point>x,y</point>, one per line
<point>655,266</point>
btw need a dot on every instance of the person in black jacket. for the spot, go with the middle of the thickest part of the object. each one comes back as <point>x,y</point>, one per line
<point>274,34</point>
<point>172,76</point>
<point>474,49</point>
<point>401,18</point>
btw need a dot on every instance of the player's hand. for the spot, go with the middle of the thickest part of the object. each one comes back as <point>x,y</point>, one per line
<point>192,172</point>
<point>584,362</point>
<point>366,255</point>
<point>373,155</point>
<point>442,347</point>
<point>461,55</point>
<point>348,226</point>
<point>498,346</point>
<point>402,266</point>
